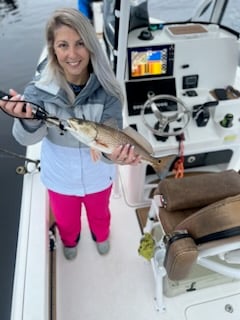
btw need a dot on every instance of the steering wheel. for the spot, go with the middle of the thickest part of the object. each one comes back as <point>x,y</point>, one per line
<point>162,127</point>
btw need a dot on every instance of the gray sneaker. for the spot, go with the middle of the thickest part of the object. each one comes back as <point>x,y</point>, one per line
<point>103,247</point>
<point>70,252</point>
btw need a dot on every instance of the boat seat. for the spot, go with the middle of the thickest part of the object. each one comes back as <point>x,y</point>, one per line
<point>196,210</point>
<point>199,216</point>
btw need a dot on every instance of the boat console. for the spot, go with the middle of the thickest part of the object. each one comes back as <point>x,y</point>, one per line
<point>181,85</point>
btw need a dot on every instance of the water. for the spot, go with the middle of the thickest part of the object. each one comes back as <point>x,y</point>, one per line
<point>22,24</point>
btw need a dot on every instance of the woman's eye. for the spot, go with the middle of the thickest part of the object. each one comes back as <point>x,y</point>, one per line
<point>62,45</point>
<point>81,43</point>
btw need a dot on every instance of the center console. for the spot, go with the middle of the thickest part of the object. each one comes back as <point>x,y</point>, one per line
<point>197,64</point>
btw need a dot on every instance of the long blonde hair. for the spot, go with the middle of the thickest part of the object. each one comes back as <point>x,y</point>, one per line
<point>98,61</point>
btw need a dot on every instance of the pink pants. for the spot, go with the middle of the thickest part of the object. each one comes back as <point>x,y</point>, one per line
<point>67,213</point>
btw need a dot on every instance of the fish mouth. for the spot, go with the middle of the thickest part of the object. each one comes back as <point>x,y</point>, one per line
<point>72,121</point>
<point>76,124</point>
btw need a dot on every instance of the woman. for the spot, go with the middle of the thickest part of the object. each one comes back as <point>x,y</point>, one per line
<point>77,81</point>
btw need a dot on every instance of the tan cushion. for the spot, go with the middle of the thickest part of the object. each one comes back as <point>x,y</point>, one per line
<point>198,191</point>
<point>169,220</point>
<point>219,216</point>
<point>182,253</point>
<point>180,257</point>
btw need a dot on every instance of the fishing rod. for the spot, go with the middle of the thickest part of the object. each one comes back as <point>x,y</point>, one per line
<point>24,168</point>
<point>38,113</point>
<point>79,129</point>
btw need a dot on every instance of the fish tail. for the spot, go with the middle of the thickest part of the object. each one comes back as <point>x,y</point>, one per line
<point>163,164</point>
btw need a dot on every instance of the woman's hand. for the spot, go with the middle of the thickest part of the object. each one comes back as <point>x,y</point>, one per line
<point>125,154</point>
<point>15,109</point>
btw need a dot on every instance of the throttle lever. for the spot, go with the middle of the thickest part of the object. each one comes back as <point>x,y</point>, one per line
<point>201,112</point>
<point>210,104</point>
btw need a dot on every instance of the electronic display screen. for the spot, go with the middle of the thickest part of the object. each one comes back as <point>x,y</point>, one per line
<point>150,62</point>
<point>161,86</point>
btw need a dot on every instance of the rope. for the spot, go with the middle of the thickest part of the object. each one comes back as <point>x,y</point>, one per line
<point>179,164</point>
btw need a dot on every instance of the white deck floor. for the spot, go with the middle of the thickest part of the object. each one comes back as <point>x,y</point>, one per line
<point>116,286</point>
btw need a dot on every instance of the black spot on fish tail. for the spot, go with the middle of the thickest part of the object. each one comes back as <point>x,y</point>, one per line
<point>163,165</point>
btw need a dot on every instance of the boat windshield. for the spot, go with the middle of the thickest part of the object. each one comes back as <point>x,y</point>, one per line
<point>231,16</point>
<point>174,11</point>
<point>141,13</point>
<point>169,11</point>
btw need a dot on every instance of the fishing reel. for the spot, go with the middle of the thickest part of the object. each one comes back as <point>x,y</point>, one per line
<point>166,109</point>
<point>30,166</point>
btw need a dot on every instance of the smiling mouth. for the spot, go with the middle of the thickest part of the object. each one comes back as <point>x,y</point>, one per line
<point>73,63</point>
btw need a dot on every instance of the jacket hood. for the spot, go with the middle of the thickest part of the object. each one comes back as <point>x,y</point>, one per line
<point>53,88</point>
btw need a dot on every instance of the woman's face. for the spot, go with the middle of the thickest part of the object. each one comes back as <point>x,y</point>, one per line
<point>72,55</point>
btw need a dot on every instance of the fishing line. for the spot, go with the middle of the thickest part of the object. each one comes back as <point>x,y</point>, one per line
<point>22,169</point>
<point>40,114</point>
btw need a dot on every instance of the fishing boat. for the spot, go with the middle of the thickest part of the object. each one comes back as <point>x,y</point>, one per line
<point>181,83</point>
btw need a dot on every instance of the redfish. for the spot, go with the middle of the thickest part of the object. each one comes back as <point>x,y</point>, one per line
<point>105,138</point>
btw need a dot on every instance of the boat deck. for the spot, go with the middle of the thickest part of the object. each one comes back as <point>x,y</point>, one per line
<point>116,286</point>
<point>121,284</point>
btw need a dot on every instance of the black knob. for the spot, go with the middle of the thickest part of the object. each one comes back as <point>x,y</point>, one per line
<point>145,35</point>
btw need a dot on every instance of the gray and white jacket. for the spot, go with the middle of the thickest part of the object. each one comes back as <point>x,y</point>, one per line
<point>66,164</point>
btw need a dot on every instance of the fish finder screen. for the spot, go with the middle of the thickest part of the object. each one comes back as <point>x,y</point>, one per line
<point>149,62</point>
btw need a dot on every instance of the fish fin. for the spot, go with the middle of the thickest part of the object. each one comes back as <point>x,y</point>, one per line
<point>95,155</point>
<point>138,138</point>
<point>100,147</point>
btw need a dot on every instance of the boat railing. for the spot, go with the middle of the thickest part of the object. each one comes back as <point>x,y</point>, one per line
<point>31,280</point>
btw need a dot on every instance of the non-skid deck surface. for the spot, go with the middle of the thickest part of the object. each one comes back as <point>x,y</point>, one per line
<point>187,29</point>
<point>116,286</point>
